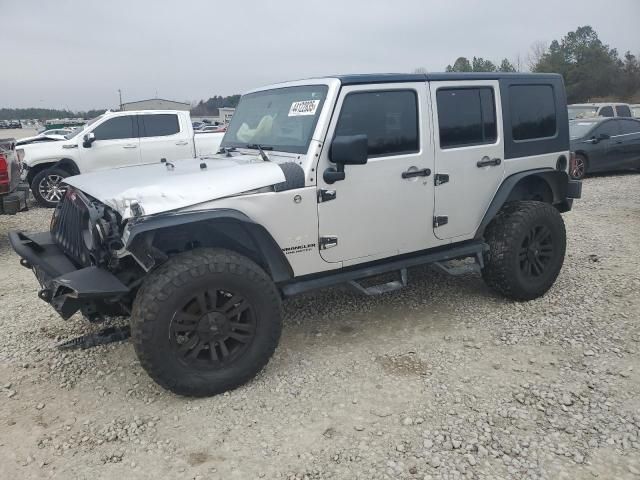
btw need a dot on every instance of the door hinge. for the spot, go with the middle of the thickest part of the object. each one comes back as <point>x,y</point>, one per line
<point>440,178</point>
<point>439,221</point>
<point>326,195</point>
<point>328,241</point>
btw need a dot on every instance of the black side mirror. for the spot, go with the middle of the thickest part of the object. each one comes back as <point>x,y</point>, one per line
<point>349,150</point>
<point>346,150</point>
<point>88,139</point>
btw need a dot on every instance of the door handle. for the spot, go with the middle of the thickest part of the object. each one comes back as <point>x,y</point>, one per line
<point>425,172</point>
<point>488,162</point>
<point>130,146</point>
<point>182,142</point>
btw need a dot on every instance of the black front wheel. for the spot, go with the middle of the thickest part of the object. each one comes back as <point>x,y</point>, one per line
<point>205,322</point>
<point>527,242</point>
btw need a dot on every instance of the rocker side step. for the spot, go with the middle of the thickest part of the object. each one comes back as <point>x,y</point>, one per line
<point>381,288</point>
<point>460,267</point>
<point>357,273</point>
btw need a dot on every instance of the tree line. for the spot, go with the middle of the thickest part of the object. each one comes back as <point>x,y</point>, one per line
<point>592,70</point>
<point>210,107</point>
<point>45,113</point>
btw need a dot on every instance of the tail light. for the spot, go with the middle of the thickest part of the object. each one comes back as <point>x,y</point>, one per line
<point>4,174</point>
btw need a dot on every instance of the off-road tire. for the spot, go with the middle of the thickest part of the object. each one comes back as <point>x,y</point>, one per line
<point>43,176</point>
<point>158,301</point>
<point>507,236</point>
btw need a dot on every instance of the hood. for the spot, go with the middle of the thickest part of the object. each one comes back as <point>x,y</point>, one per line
<point>160,188</point>
<point>41,150</point>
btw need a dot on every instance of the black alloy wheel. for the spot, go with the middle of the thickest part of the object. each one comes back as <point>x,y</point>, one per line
<point>212,328</point>
<point>536,251</point>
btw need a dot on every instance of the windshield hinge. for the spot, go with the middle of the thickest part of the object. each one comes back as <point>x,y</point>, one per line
<point>326,195</point>
<point>328,241</point>
<point>440,178</point>
<point>439,221</point>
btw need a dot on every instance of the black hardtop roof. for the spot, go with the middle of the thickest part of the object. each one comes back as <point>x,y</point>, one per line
<point>359,79</point>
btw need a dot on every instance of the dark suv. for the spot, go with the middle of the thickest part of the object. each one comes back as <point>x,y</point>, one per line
<point>604,144</point>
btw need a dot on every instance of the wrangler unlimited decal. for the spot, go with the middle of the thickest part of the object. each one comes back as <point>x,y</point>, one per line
<point>298,248</point>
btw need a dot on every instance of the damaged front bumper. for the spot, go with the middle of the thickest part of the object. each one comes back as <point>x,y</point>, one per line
<point>67,288</point>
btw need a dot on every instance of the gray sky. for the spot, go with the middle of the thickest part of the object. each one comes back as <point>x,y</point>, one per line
<point>76,54</point>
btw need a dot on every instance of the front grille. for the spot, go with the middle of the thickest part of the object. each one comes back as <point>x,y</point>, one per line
<point>70,226</point>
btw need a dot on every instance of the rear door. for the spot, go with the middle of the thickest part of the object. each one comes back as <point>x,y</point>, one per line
<point>469,153</point>
<point>162,135</point>
<point>116,145</point>
<point>629,143</point>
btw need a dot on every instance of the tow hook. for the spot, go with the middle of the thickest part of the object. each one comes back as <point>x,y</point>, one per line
<point>45,294</point>
<point>103,337</point>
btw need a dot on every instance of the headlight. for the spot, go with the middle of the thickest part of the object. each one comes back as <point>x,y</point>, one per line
<point>20,154</point>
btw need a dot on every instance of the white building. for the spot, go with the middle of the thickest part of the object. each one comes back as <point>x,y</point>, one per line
<point>223,117</point>
<point>156,104</point>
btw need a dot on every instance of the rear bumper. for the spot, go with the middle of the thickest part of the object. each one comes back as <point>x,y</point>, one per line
<point>574,189</point>
<point>63,285</point>
<point>14,202</point>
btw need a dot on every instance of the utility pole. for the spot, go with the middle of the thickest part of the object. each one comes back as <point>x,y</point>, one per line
<point>120,95</point>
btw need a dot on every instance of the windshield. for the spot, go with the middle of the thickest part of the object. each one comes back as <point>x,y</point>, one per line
<point>582,112</point>
<point>579,129</point>
<point>282,119</point>
<point>77,132</point>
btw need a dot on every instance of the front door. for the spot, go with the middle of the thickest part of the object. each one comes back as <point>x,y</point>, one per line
<point>469,154</point>
<point>116,145</point>
<point>605,154</point>
<point>376,212</point>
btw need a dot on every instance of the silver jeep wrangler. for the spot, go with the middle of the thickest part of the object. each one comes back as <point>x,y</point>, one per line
<point>318,182</point>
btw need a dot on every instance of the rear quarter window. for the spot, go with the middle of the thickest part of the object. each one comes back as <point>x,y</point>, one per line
<point>533,112</point>
<point>623,111</point>
<point>629,126</point>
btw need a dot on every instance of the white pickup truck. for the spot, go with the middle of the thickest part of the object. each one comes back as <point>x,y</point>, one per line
<point>112,140</point>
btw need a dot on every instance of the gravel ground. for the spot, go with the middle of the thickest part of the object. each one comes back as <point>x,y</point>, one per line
<point>441,380</point>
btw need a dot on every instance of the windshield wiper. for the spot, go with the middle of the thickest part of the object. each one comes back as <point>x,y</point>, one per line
<point>261,149</point>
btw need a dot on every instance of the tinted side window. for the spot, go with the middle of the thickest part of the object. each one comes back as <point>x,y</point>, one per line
<point>629,126</point>
<point>533,111</point>
<point>606,112</point>
<point>610,128</point>
<point>159,125</point>
<point>115,128</point>
<point>466,116</point>
<point>389,119</point>
<point>623,111</point>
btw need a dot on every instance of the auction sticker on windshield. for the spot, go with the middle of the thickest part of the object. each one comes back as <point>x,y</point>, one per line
<point>305,107</point>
